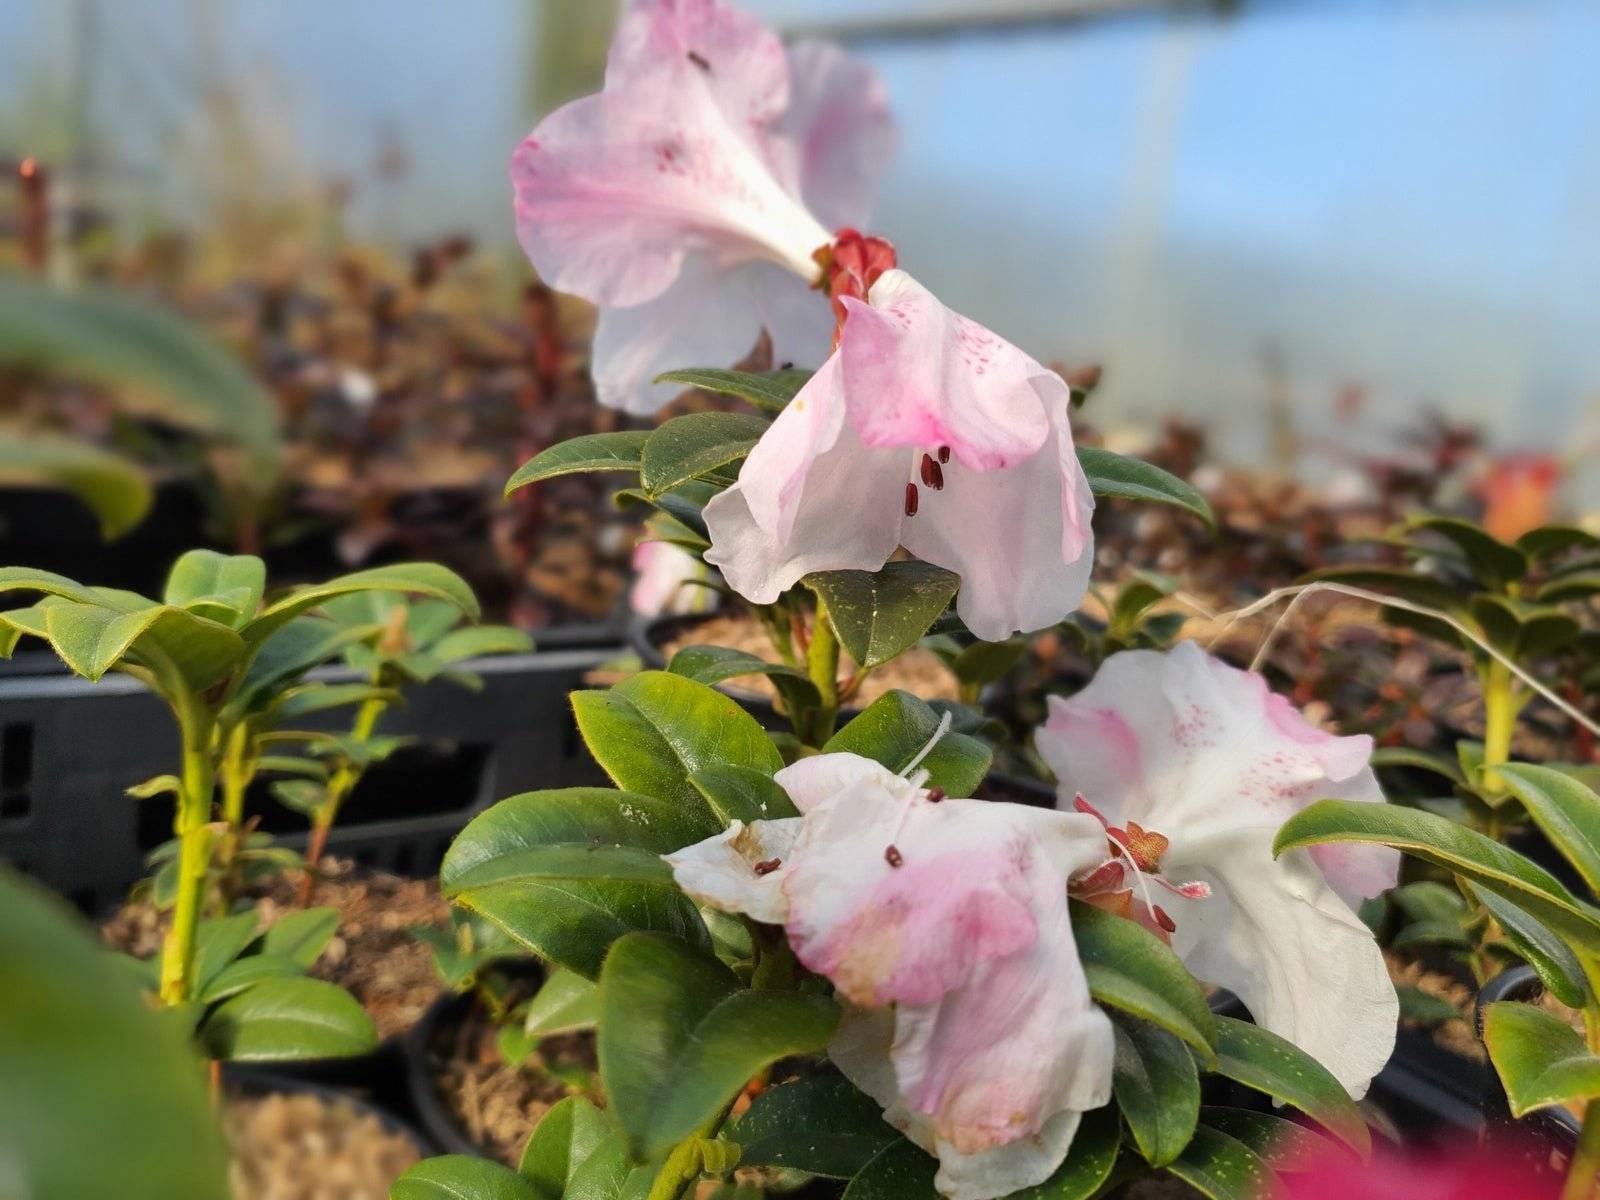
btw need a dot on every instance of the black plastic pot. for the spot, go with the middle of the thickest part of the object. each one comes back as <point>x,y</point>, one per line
<point>422,1090</point>
<point>252,1080</point>
<point>1555,1126</point>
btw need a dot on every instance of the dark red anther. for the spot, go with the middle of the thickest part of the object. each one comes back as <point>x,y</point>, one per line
<point>931,474</point>
<point>1163,920</point>
<point>935,794</point>
<point>892,857</point>
<point>944,454</point>
<point>911,499</point>
<point>768,867</point>
<point>699,61</point>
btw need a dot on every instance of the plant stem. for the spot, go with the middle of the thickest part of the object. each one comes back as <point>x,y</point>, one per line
<point>195,837</point>
<point>340,785</point>
<point>1585,1163</point>
<point>822,664</point>
<point>235,775</point>
<point>1500,718</point>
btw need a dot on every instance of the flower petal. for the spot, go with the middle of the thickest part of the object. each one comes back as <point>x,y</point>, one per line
<point>1276,935</point>
<point>1024,561</point>
<point>916,374</point>
<point>812,780</point>
<point>721,871</point>
<point>838,120</point>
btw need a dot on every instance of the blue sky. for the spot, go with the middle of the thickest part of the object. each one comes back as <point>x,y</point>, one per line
<point>1399,193</point>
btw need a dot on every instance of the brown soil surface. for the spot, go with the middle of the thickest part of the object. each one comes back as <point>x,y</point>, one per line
<point>372,955</point>
<point>917,671</point>
<point>1458,1036</point>
<point>497,1104</point>
<point>302,1147</point>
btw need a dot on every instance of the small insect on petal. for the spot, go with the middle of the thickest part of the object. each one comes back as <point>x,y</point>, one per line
<point>931,474</point>
<point>768,867</point>
<point>911,499</point>
<point>892,857</point>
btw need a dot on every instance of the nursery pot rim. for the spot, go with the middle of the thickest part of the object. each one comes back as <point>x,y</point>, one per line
<point>1521,983</point>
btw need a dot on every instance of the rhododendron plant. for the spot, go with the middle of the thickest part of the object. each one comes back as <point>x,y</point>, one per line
<point>943,924</point>
<point>1204,763</point>
<point>688,197</point>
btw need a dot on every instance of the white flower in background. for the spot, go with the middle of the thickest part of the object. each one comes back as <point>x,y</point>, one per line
<point>669,581</point>
<point>1207,763</point>
<point>943,926</point>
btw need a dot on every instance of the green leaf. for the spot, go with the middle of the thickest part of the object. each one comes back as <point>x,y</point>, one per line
<point>288,1019</point>
<point>609,1174</point>
<point>1550,540</point>
<point>1569,587</point>
<point>91,640</point>
<point>423,579</point>
<point>823,1125</point>
<point>479,641</point>
<point>1403,582</point>
<point>985,662</point>
<point>743,794</point>
<point>897,726</point>
<point>1565,810</point>
<point>565,1002</point>
<point>465,1177</point>
<point>1552,959</point>
<point>1264,1061</point>
<point>112,488</point>
<point>243,973</point>
<point>152,361</point>
<point>692,446</point>
<point>680,1036</point>
<point>301,936</point>
<point>653,730</point>
<point>1446,844</point>
<point>99,1095</point>
<point>560,1143</point>
<point>1492,561</point>
<point>1542,1061</point>
<point>881,614</point>
<point>1088,1164</point>
<point>1156,1087</point>
<point>219,942</point>
<point>1131,479</point>
<point>225,587</point>
<point>767,390</point>
<point>1224,1168</point>
<point>715,664</point>
<point>900,1171</point>
<point>618,451</point>
<point>1283,1145</point>
<point>1131,969</point>
<point>1406,756</point>
<point>1418,1005</point>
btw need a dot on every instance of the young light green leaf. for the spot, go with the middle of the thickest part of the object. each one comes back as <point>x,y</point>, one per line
<point>561,1142</point>
<point>566,1001</point>
<point>301,936</point>
<point>880,614</point>
<point>420,578</point>
<point>1541,1060</point>
<point>225,587</point>
<point>281,1019</point>
<point>618,451</point>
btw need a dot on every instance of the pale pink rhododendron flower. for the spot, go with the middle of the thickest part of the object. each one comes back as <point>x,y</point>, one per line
<point>669,581</point>
<point>927,431</point>
<point>1207,763</point>
<point>943,926</point>
<point>688,197</point>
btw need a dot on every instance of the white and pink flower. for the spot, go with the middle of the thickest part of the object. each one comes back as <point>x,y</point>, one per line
<point>927,431</point>
<point>1206,764</point>
<point>688,197</point>
<point>943,925</point>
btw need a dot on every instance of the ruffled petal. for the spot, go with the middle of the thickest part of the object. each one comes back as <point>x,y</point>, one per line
<point>722,870</point>
<point>812,780</point>
<point>916,374</point>
<point>838,121</point>
<point>1024,561</point>
<point>1276,935</point>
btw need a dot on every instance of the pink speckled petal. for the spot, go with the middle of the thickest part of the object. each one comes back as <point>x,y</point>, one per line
<point>1276,934</point>
<point>839,124</point>
<point>917,375</point>
<point>1019,538</point>
<point>721,871</point>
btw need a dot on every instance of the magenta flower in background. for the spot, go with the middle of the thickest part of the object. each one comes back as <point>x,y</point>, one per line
<point>1463,1171</point>
<point>944,926</point>
<point>1209,763</point>
<point>687,198</point>
<point>923,430</point>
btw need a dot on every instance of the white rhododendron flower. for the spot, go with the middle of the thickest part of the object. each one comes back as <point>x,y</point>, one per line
<point>1197,765</point>
<point>943,926</point>
<point>668,580</point>
<point>688,197</point>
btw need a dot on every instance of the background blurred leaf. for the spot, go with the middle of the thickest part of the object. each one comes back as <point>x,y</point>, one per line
<point>114,489</point>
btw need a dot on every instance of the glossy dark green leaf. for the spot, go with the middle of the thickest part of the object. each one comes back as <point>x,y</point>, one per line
<point>218,942</point>
<point>653,730</point>
<point>680,1035</point>
<point>564,1002</point>
<point>99,1095</point>
<point>1551,958</point>
<point>900,1171</point>
<point>691,446</point>
<point>1224,1168</point>
<point>1446,844</point>
<point>1264,1061</point>
<point>1565,810</point>
<point>1131,969</point>
<point>244,973</point>
<point>280,1019</point>
<point>561,1142</point>
<point>767,390</point>
<point>1126,478</point>
<point>1282,1144</point>
<point>897,726</point>
<point>618,451</point>
<point>743,794</point>
<point>716,664</point>
<point>1541,1060</point>
<point>465,1177</point>
<point>880,614</point>
<point>1089,1161</point>
<point>823,1125</point>
<point>111,487</point>
<point>1156,1087</point>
